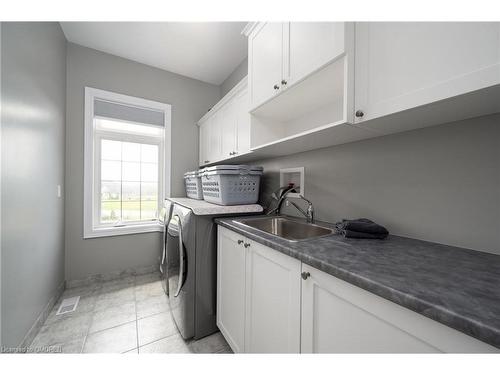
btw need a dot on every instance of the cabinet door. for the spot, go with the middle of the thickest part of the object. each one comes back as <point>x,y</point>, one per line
<point>204,142</point>
<point>402,65</point>
<point>310,46</point>
<point>272,301</point>
<point>265,52</point>
<point>215,150</point>
<point>228,121</point>
<point>231,288</point>
<point>338,317</point>
<point>243,123</point>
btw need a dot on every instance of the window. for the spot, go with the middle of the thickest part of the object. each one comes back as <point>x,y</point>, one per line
<point>127,163</point>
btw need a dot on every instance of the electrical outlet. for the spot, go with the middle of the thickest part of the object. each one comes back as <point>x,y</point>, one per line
<point>59,191</point>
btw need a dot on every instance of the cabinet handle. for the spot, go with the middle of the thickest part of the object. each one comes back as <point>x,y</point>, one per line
<point>240,242</point>
<point>359,113</point>
<point>276,87</point>
<point>246,245</point>
<point>305,275</point>
<point>231,153</point>
<point>207,161</point>
<point>283,82</point>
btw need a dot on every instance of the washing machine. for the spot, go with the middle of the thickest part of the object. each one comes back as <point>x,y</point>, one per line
<point>191,263</point>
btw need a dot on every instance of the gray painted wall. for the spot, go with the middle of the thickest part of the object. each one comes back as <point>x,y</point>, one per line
<point>33,117</point>
<point>190,99</point>
<point>439,184</point>
<point>235,77</point>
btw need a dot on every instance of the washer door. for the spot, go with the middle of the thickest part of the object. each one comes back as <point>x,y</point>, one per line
<point>163,261</point>
<point>164,220</point>
<point>180,290</point>
<point>176,258</point>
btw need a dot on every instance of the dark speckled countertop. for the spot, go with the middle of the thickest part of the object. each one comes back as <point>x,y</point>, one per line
<point>454,286</point>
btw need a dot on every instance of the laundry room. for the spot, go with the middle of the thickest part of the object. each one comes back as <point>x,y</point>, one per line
<point>323,184</point>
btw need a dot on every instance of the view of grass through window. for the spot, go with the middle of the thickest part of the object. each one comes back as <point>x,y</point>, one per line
<point>129,182</point>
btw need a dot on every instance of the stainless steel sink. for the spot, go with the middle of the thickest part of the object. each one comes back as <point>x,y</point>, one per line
<point>285,228</point>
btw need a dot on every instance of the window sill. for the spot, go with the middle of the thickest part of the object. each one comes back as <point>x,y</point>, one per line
<point>119,231</point>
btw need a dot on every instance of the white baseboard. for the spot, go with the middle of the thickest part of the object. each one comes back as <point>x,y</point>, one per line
<point>40,320</point>
<point>100,277</point>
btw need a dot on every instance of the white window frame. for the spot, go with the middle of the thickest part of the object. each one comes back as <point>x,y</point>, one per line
<point>92,154</point>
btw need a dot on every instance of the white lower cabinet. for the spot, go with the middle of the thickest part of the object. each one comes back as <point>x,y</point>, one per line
<point>340,318</point>
<point>231,288</point>
<point>272,319</point>
<point>258,296</point>
<point>268,302</point>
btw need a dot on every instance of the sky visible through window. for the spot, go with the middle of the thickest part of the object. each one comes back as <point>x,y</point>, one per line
<point>129,182</point>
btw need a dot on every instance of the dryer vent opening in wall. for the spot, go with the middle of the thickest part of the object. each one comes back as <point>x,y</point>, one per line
<point>68,305</point>
<point>293,176</point>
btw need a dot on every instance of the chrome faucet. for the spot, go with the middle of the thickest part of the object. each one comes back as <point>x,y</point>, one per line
<point>308,213</point>
<point>283,192</point>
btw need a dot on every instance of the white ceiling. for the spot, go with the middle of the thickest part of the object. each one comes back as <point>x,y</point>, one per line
<point>208,51</point>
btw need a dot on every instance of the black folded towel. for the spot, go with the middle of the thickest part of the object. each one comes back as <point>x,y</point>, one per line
<point>354,234</point>
<point>361,228</point>
<point>365,226</point>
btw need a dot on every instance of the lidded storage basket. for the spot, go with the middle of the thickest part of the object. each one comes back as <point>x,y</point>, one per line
<point>231,184</point>
<point>193,185</point>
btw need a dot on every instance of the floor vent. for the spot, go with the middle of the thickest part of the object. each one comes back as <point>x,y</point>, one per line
<point>68,305</point>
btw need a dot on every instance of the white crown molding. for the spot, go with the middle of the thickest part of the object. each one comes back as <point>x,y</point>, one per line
<point>249,27</point>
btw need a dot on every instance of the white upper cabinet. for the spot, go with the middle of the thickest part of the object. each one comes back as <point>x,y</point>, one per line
<point>310,46</point>
<point>228,122</point>
<point>241,104</point>
<point>282,54</point>
<point>311,103</point>
<point>204,141</point>
<point>225,129</point>
<point>215,137</point>
<point>404,65</point>
<point>319,84</point>
<point>265,66</point>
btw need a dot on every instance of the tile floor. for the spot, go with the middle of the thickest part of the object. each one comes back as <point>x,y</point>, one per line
<point>128,315</point>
